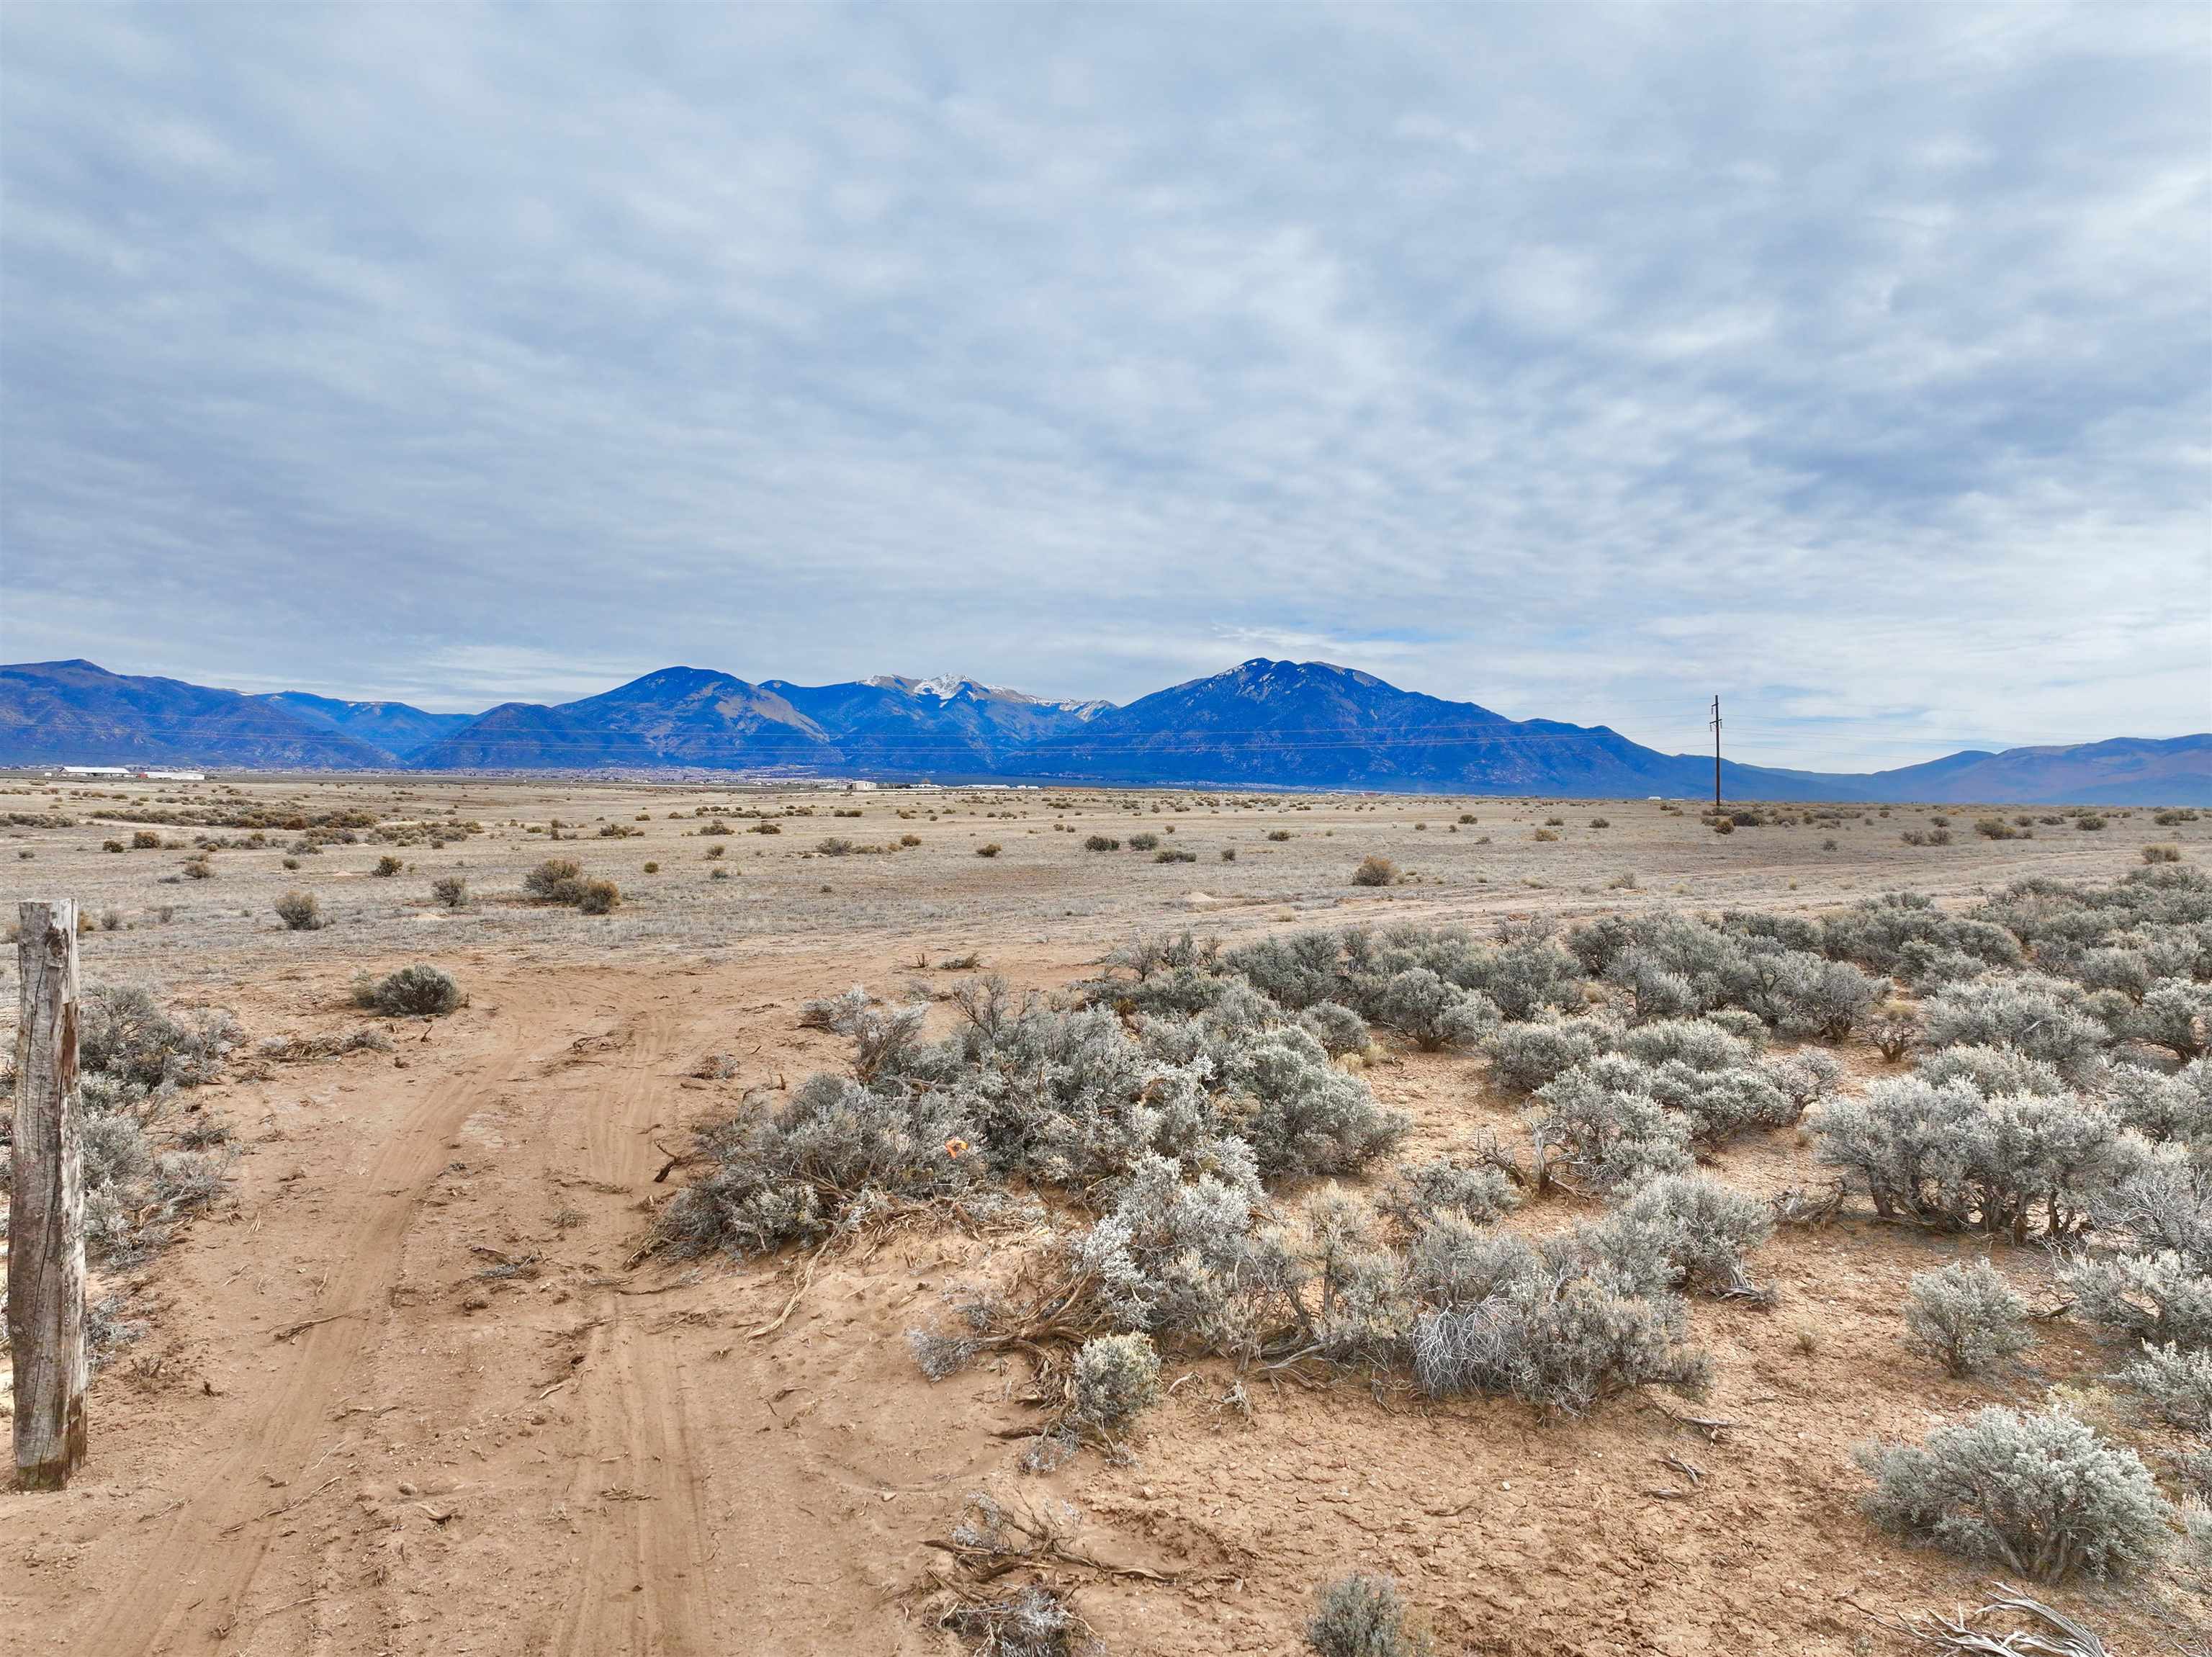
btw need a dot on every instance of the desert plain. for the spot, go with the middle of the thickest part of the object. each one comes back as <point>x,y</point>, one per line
<point>416,1383</point>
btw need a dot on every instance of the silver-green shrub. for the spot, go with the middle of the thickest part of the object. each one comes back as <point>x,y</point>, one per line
<point>1557,1327</point>
<point>1433,1013</point>
<point>417,990</point>
<point>1117,1379</point>
<point>1947,1157</point>
<point>1523,1057</point>
<point>1363,1616</point>
<point>2041,1495</point>
<point>2176,1385</point>
<point>2041,1017</point>
<point>1685,1231</point>
<point>1966,1317</point>
<point>1595,1123</point>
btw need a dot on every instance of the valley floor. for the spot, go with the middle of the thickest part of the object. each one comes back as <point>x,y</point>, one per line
<point>411,1388</point>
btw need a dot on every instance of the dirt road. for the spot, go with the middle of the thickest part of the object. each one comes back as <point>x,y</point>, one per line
<point>415,1396</point>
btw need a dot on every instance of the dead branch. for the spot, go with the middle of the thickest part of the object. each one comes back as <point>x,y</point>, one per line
<point>1805,1208</point>
<point>2066,1638</point>
<point>284,1508</point>
<point>807,1278</point>
<point>986,1563</point>
<point>289,1330</point>
<point>1711,1426</point>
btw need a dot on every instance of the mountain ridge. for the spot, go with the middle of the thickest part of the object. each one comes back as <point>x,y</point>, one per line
<point>398,729</point>
<point>1262,724</point>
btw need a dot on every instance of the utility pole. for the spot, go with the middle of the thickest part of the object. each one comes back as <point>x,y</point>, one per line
<point>46,1254</point>
<point>1716,753</point>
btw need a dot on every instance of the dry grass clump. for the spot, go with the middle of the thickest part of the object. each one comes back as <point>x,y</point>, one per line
<point>299,911</point>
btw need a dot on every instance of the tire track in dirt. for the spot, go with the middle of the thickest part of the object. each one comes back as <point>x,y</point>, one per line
<point>198,1573</point>
<point>640,1586</point>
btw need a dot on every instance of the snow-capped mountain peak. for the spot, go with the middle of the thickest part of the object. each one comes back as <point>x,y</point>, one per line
<point>943,686</point>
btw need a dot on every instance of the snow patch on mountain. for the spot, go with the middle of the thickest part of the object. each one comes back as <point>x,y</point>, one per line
<point>944,688</point>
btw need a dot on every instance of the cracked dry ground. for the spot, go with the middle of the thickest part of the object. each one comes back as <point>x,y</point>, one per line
<point>412,1394</point>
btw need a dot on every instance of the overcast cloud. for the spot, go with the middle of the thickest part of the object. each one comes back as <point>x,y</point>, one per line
<point>1857,364</point>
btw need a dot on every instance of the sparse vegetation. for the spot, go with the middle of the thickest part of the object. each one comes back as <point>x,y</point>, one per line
<point>559,880</point>
<point>299,911</point>
<point>555,880</point>
<point>148,1159</point>
<point>1186,1152</point>
<point>1375,871</point>
<point>416,991</point>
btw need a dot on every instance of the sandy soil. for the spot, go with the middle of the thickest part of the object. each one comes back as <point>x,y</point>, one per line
<point>410,1391</point>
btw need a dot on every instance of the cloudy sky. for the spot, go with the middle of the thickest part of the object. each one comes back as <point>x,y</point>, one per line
<point>1856,364</point>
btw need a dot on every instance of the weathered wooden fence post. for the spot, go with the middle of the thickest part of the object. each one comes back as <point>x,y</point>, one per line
<point>46,1216</point>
